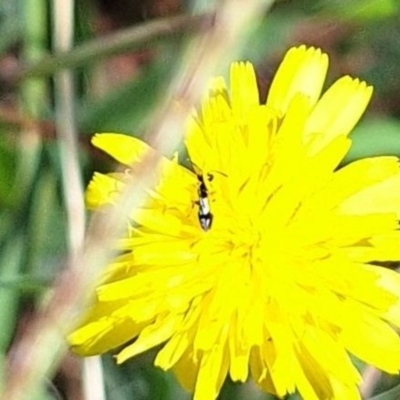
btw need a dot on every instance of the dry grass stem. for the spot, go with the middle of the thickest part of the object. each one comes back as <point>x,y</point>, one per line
<point>33,358</point>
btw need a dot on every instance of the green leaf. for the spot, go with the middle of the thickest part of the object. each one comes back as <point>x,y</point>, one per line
<point>392,394</point>
<point>362,10</point>
<point>272,34</point>
<point>25,284</point>
<point>10,266</point>
<point>46,228</point>
<point>141,377</point>
<point>372,10</point>
<point>249,390</point>
<point>48,392</point>
<point>10,32</point>
<point>375,137</point>
<point>125,109</point>
<point>7,173</point>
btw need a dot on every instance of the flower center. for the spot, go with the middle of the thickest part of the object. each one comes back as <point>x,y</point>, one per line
<point>247,243</point>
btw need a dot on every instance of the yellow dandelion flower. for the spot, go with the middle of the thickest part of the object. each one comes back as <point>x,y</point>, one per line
<point>261,262</point>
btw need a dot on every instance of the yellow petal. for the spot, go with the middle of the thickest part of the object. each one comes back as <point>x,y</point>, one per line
<point>125,149</point>
<point>375,342</point>
<point>239,354</point>
<point>244,90</point>
<point>103,330</point>
<point>383,197</point>
<point>102,190</point>
<point>337,112</point>
<point>176,348</point>
<point>151,336</point>
<point>186,371</point>
<point>303,70</point>
<point>212,373</point>
<point>350,183</point>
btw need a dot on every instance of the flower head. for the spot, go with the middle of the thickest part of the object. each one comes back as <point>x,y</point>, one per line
<point>260,262</point>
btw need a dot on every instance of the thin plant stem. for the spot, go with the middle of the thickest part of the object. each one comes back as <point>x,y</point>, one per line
<point>33,96</point>
<point>371,377</point>
<point>120,42</point>
<point>93,379</point>
<point>66,130</point>
<point>93,384</point>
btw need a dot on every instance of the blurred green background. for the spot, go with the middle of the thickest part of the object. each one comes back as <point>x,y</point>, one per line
<point>116,86</point>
